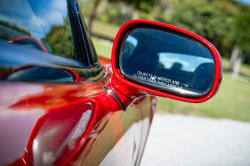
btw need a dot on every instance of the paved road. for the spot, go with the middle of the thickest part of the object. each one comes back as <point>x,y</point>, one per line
<point>179,140</point>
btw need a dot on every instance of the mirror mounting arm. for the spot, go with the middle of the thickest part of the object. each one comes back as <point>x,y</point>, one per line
<point>117,99</point>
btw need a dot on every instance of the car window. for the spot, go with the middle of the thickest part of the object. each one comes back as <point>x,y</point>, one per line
<point>39,24</point>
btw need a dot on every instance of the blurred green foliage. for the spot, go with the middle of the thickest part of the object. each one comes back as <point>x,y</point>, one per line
<point>225,23</point>
<point>239,32</point>
<point>60,40</point>
<point>142,5</point>
<point>114,12</point>
<point>210,19</point>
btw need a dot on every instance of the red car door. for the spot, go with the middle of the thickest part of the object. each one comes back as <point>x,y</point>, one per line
<point>52,113</point>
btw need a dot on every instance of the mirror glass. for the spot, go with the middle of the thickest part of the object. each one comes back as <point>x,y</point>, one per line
<point>167,61</point>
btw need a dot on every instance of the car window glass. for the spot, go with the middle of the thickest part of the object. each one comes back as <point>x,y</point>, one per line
<point>39,24</point>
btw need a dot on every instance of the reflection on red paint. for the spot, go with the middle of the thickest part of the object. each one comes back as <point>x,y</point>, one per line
<point>78,123</point>
<point>57,134</point>
<point>15,129</point>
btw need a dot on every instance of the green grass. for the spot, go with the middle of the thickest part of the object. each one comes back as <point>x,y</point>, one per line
<point>244,69</point>
<point>103,29</point>
<point>102,48</point>
<point>232,101</point>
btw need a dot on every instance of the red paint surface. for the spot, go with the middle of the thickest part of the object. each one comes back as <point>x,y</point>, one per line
<point>107,126</point>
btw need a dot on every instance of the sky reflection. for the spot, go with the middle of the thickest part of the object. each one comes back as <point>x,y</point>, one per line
<point>37,17</point>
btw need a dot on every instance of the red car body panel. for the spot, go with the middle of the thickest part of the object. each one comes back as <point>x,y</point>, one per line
<point>111,136</point>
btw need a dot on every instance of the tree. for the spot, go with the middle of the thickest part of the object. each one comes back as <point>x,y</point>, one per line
<point>92,14</point>
<point>239,37</point>
<point>116,13</point>
<point>210,19</point>
<point>239,33</point>
<point>241,28</point>
<point>136,5</point>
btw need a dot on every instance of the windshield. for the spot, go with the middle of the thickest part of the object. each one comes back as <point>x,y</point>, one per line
<point>39,24</point>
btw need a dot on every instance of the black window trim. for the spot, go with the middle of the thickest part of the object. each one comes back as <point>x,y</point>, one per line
<point>79,33</point>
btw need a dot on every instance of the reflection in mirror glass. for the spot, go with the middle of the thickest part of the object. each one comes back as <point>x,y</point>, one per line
<point>166,61</point>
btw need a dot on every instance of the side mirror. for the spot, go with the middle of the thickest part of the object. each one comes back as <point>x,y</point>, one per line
<point>168,61</point>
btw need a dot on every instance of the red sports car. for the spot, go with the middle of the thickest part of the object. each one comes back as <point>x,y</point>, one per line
<point>61,104</point>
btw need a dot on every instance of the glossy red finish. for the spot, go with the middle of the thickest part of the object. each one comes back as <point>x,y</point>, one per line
<point>132,90</point>
<point>126,90</point>
<point>27,39</point>
<point>51,112</point>
<point>59,122</point>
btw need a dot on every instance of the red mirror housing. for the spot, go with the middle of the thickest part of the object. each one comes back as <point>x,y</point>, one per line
<point>132,89</point>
